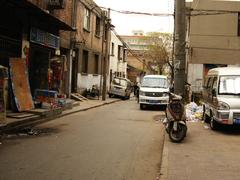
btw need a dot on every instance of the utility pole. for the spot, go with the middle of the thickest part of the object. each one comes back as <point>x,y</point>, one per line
<point>106,58</point>
<point>179,47</point>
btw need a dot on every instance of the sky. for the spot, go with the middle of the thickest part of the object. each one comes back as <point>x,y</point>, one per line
<point>125,23</point>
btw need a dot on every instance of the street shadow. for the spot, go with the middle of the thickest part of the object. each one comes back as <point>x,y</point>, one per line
<point>155,108</point>
<point>28,132</point>
<point>229,129</point>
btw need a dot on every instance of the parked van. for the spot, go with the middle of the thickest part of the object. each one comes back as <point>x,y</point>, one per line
<point>221,96</point>
<point>120,87</point>
<point>154,90</point>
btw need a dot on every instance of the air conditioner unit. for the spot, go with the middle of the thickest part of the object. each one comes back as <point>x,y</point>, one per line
<point>56,4</point>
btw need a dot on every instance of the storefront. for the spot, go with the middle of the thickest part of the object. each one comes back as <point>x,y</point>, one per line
<point>32,35</point>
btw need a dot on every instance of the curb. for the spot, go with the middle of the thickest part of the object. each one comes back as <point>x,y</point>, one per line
<point>164,163</point>
<point>42,119</point>
<point>87,108</point>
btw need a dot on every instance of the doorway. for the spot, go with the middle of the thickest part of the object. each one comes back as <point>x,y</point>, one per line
<point>38,67</point>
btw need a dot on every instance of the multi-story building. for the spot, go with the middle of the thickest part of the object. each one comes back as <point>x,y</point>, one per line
<point>137,58</point>
<point>118,61</point>
<point>213,37</point>
<point>89,44</point>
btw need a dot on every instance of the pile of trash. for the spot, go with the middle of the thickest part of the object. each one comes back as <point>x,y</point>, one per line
<point>193,112</point>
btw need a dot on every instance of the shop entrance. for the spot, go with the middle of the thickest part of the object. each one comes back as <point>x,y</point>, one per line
<point>38,67</point>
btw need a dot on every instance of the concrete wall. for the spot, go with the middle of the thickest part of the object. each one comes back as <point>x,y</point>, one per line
<point>195,76</point>
<point>213,39</point>
<point>86,81</point>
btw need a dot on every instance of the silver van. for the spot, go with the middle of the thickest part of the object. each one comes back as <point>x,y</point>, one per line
<point>120,87</point>
<point>221,96</point>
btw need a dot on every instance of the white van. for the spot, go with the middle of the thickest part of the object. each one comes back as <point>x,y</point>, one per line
<point>154,90</point>
<point>221,96</point>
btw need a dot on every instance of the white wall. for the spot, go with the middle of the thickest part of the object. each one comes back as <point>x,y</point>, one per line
<point>114,64</point>
<point>195,76</point>
<point>86,81</point>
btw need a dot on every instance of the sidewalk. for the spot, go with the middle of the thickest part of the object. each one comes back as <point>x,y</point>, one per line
<point>203,155</point>
<point>36,116</point>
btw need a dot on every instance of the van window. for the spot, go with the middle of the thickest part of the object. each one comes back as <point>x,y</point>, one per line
<point>214,83</point>
<point>205,82</point>
<point>210,82</point>
<point>229,85</point>
<point>155,82</point>
<point>120,82</point>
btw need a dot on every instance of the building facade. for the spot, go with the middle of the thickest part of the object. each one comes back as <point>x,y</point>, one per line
<point>213,38</point>
<point>89,44</point>
<point>118,59</point>
<point>138,61</point>
<point>30,31</point>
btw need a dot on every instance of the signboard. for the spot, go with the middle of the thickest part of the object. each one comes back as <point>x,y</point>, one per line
<point>20,84</point>
<point>44,38</point>
<point>57,4</point>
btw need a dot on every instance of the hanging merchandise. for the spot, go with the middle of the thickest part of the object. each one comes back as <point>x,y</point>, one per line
<point>56,66</point>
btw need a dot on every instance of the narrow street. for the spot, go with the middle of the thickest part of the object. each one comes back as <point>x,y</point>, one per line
<point>112,142</point>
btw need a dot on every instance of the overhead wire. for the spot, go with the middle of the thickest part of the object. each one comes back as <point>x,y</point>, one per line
<point>138,13</point>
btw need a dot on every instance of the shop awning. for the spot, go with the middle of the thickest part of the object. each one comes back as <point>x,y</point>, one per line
<point>40,14</point>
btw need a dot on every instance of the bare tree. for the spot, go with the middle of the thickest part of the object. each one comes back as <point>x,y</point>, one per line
<point>159,51</point>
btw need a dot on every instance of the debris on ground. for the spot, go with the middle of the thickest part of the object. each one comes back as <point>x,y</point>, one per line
<point>206,127</point>
<point>193,112</point>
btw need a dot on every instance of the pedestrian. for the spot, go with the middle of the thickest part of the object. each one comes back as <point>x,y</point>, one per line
<point>136,90</point>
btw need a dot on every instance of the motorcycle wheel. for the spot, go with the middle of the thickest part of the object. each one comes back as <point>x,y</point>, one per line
<point>179,135</point>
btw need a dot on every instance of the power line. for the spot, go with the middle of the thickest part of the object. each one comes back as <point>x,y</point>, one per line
<point>139,13</point>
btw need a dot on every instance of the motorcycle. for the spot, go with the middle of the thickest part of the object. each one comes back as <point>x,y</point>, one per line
<point>175,121</point>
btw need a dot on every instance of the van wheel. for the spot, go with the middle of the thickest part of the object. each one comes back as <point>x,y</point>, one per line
<point>110,95</point>
<point>142,107</point>
<point>214,124</point>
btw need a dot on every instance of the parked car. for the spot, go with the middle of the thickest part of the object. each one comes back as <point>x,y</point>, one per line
<point>120,87</point>
<point>154,90</point>
<point>221,96</point>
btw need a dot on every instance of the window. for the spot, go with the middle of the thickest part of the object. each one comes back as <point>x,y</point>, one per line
<point>120,52</point>
<point>112,52</point>
<point>85,62</point>
<point>124,55</point>
<point>86,25</point>
<point>210,83</point>
<point>97,28</point>
<point>205,82</point>
<point>105,33</point>
<point>229,85</point>
<point>155,82</point>
<point>96,63</point>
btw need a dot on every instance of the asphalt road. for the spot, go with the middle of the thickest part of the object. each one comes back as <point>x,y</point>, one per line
<point>112,142</point>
